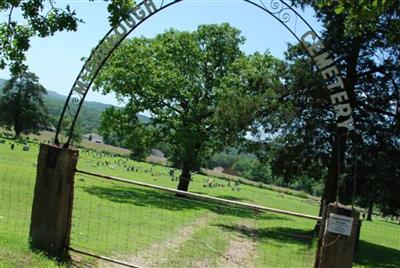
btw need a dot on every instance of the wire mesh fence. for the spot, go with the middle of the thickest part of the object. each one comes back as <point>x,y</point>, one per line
<point>155,228</point>
<point>379,244</point>
<point>223,186</point>
<point>16,193</point>
<point>17,182</point>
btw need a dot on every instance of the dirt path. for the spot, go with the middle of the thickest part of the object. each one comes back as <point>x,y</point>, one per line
<point>241,251</point>
<point>158,253</point>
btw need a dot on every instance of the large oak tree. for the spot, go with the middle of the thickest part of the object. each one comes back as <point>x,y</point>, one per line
<point>201,90</point>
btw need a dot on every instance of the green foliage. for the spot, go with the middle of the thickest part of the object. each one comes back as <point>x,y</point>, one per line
<point>114,128</point>
<point>303,141</point>
<point>76,137</point>
<point>165,148</point>
<point>21,104</point>
<point>258,171</point>
<point>360,15</point>
<point>200,88</point>
<point>378,178</point>
<point>245,165</point>
<point>89,117</point>
<point>42,19</point>
<point>223,159</point>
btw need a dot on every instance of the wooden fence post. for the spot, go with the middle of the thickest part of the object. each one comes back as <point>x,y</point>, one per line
<point>52,201</point>
<point>338,237</point>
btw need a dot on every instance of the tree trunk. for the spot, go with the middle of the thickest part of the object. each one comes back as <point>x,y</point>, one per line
<point>17,130</point>
<point>370,207</point>
<point>17,119</point>
<point>338,150</point>
<point>339,144</point>
<point>184,178</point>
<point>331,183</point>
<point>17,126</point>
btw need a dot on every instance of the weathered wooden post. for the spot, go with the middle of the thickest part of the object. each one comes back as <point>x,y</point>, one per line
<point>338,237</point>
<point>52,202</point>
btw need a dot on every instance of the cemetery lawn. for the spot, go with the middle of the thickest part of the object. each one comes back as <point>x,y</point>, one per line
<point>156,217</point>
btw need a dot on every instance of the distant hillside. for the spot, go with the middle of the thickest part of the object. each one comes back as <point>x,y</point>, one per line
<point>89,117</point>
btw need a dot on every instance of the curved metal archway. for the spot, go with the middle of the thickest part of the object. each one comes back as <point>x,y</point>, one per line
<point>278,9</point>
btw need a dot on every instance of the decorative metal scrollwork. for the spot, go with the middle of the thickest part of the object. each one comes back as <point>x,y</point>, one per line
<point>76,100</point>
<point>278,9</point>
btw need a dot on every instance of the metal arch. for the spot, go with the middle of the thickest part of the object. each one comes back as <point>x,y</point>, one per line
<point>81,100</point>
<point>278,9</point>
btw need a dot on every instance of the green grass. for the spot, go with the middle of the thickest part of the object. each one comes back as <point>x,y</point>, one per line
<point>16,189</point>
<point>48,136</point>
<point>380,244</point>
<point>16,253</point>
<point>128,221</point>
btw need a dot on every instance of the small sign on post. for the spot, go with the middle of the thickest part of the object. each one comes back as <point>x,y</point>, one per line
<point>337,239</point>
<point>340,224</point>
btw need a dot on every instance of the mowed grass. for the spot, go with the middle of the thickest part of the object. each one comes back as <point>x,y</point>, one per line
<point>147,226</point>
<point>48,137</point>
<point>16,190</point>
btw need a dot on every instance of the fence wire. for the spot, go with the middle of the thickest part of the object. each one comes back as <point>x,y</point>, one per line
<point>16,195</point>
<point>379,244</point>
<point>17,182</point>
<point>152,228</point>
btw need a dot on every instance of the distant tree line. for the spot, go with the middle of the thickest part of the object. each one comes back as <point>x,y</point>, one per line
<point>248,166</point>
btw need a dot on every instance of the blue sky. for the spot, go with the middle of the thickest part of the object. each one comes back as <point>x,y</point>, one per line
<point>57,59</point>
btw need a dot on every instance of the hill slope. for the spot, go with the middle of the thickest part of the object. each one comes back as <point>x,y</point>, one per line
<point>89,117</point>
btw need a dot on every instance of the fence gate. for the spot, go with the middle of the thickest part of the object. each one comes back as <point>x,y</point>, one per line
<point>150,226</point>
<point>137,224</point>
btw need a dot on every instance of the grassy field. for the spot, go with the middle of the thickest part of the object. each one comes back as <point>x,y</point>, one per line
<point>158,229</point>
<point>48,136</point>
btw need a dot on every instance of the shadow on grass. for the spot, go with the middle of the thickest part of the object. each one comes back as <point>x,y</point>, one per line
<point>372,255</point>
<point>235,198</point>
<point>280,234</point>
<point>389,222</point>
<point>169,201</point>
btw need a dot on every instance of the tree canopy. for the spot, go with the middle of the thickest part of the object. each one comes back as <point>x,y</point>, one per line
<point>40,18</point>
<point>311,145</point>
<point>21,104</point>
<point>201,90</point>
